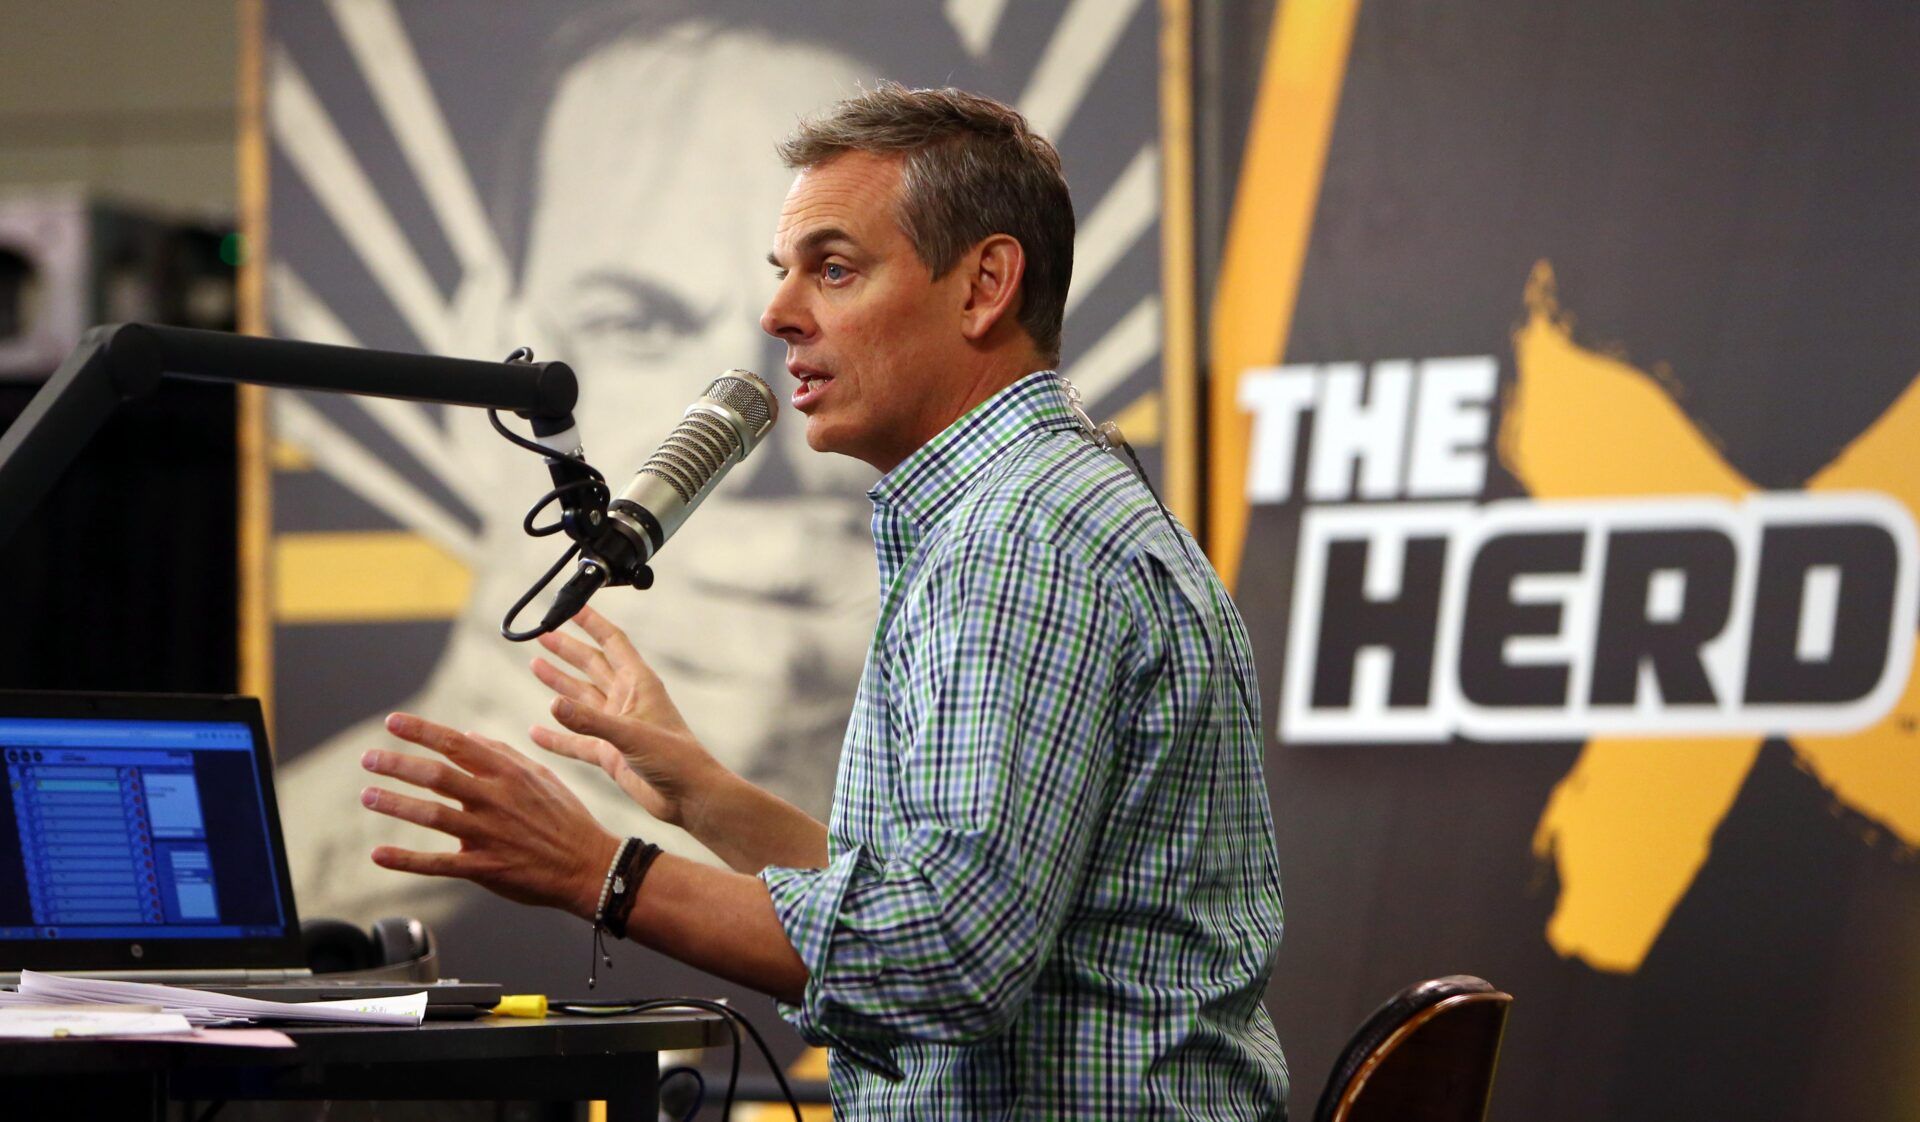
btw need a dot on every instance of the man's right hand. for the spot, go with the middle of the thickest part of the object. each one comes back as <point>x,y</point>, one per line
<point>620,719</point>
<point>623,722</point>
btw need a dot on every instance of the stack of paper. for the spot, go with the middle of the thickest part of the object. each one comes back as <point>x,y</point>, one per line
<point>200,1007</point>
<point>45,1023</point>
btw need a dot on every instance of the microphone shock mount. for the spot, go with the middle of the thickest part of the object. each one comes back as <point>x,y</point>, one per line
<point>606,556</point>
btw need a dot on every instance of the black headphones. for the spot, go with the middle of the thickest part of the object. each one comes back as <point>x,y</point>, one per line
<point>397,949</point>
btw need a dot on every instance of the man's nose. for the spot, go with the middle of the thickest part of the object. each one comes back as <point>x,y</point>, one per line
<point>786,316</point>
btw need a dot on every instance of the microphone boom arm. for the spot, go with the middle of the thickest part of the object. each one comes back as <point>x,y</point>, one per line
<point>121,362</point>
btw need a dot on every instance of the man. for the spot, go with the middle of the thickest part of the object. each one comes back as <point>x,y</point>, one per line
<point>1049,887</point>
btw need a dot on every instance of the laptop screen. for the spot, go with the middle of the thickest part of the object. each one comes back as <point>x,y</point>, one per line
<point>139,832</point>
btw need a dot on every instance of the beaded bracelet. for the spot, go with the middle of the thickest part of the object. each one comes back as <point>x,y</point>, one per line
<point>599,953</point>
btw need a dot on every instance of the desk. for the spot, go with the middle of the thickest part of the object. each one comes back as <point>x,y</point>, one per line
<point>561,1058</point>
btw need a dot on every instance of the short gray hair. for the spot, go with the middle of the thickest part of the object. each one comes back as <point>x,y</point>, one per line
<point>973,168</point>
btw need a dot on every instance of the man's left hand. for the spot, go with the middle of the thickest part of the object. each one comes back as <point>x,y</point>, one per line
<point>522,833</point>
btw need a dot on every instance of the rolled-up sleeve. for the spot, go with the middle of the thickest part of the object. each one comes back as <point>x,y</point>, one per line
<point>1006,672</point>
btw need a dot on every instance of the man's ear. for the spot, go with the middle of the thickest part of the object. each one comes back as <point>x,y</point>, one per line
<point>995,268</point>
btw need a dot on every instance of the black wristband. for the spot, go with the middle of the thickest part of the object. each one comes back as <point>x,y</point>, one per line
<point>626,887</point>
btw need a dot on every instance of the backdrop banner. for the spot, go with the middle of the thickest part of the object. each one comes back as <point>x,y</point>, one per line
<point>1563,416</point>
<point>599,182</point>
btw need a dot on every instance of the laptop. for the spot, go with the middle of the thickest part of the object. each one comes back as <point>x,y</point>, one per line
<point>139,839</point>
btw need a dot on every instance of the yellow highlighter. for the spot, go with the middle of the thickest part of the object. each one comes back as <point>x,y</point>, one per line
<point>522,1005</point>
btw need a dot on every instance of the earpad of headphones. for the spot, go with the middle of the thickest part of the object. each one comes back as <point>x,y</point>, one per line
<point>334,945</point>
<point>397,939</point>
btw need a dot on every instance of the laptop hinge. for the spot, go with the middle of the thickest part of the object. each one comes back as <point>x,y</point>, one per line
<point>235,976</point>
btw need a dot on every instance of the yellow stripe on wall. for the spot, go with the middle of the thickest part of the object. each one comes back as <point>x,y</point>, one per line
<point>1267,239</point>
<point>255,508</point>
<point>379,576</point>
<point>1180,378</point>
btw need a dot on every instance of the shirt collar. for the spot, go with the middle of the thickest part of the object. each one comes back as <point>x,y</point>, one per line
<point>926,483</point>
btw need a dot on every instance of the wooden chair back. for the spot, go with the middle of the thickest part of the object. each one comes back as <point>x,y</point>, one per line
<point>1427,1055</point>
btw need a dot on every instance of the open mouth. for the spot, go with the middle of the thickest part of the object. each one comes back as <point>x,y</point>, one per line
<point>811,386</point>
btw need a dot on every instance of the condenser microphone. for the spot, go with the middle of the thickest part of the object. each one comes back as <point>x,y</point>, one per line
<point>716,432</point>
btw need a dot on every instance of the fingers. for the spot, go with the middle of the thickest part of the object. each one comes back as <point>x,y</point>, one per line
<point>582,657</point>
<point>586,749</point>
<point>507,750</point>
<point>420,812</point>
<point>566,685</point>
<point>612,640</point>
<point>500,746</point>
<point>463,750</point>
<point>414,861</point>
<point>592,750</point>
<point>431,774</point>
<point>592,722</point>
<point>572,745</point>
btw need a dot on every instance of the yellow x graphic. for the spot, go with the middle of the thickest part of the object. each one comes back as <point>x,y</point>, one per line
<point>1631,824</point>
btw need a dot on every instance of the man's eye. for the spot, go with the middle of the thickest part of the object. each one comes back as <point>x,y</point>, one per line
<point>833,271</point>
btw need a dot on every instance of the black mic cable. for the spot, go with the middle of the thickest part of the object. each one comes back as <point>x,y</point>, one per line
<point>614,537</point>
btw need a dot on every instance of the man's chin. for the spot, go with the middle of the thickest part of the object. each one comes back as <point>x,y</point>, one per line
<point>820,433</point>
<point>851,453</point>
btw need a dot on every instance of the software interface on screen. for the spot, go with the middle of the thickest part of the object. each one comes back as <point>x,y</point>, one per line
<point>145,829</point>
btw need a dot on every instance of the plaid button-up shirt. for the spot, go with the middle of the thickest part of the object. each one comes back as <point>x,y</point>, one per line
<point>1052,889</point>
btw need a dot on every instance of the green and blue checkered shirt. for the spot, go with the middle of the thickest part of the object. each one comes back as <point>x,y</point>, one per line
<point>1052,889</point>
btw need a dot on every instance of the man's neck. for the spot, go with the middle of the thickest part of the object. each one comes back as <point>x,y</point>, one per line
<point>996,374</point>
<point>974,378</point>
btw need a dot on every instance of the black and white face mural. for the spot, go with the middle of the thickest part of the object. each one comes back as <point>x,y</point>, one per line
<point>600,184</point>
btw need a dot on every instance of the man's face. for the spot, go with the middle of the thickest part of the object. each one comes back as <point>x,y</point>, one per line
<point>870,334</point>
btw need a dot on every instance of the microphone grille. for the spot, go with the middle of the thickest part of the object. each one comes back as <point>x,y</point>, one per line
<point>747,395</point>
<point>693,453</point>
